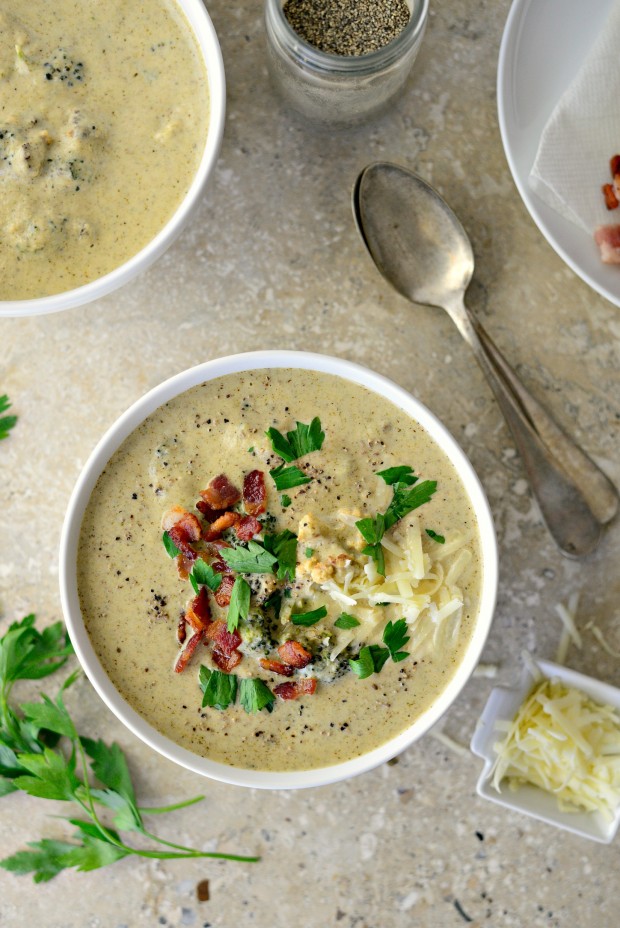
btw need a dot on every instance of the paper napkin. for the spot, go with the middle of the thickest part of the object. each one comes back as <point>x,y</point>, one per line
<point>581,135</point>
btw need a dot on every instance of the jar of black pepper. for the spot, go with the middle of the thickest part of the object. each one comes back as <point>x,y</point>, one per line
<point>338,62</point>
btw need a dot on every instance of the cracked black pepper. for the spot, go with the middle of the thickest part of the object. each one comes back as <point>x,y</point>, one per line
<point>347,27</point>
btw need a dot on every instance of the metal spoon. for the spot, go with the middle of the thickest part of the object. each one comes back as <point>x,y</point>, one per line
<point>422,249</point>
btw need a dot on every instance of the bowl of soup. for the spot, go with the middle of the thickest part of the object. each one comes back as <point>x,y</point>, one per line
<point>278,569</point>
<point>111,120</point>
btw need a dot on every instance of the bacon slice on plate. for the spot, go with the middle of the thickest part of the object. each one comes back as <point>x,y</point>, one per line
<point>254,493</point>
<point>221,494</point>
<point>296,689</point>
<point>188,651</point>
<point>294,654</point>
<point>227,520</point>
<point>608,240</point>
<point>247,528</point>
<point>285,670</point>
<point>198,613</point>
<point>222,594</point>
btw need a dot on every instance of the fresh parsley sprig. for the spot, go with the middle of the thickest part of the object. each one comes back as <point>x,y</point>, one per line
<point>309,618</point>
<point>372,658</point>
<point>285,478</point>
<point>33,759</point>
<point>220,691</point>
<point>239,606</point>
<point>304,439</point>
<point>6,422</point>
<point>202,574</point>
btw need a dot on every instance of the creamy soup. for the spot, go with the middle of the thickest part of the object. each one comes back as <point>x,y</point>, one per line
<point>383,621</point>
<point>103,119</point>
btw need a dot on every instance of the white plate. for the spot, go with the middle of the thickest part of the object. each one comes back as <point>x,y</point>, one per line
<point>543,46</point>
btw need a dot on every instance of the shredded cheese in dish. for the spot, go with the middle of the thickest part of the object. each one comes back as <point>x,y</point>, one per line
<point>563,742</point>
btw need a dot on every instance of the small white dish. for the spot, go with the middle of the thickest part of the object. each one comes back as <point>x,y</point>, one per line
<point>542,48</point>
<point>503,705</point>
<point>209,45</point>
<point>126,424</point>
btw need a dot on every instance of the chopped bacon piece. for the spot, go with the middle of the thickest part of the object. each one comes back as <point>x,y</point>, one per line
<point>221,494</point>
<point>611,200</point>
<point>254,493</point>
<point>608,240</point>
<point>222,594</point>
<point>209,512</point>
<point>224,641</point>
<point>296,689</point>
<point>186,654</point>
<point>294,654</point>
<point>181,629</point>
<point>225,661</point>
<point>614,165</point>
<point>220,567</point>
<point>247,528</point>
<point>177,517</point>
<point>180,538</point>
<point>184,565</point>
<point>285,670</point>
<point>198,612</point>
<point>225,521</point>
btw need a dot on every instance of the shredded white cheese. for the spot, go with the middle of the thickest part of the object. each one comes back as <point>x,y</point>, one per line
<point>563,742</point>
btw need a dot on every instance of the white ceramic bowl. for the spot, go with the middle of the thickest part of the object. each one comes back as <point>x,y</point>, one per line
<point>117,434</point>
<point>503,705</point>
<point>206,37</point>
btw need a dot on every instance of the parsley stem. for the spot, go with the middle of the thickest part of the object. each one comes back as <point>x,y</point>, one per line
<point>156,810</point>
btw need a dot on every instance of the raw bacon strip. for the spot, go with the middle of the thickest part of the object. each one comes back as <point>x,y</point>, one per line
<point>611,200</point>
<point>221,494</point>
<point>198,612</point>
<point>285,670</point>
<point>254,493</point>
<point>294,654</point>
<point>220,525</point>
<point>247,528</point>
<point>608,240</point>
<point>186,654</point>
<point>226,662</point>
<point>294,690</point>
<point>222,594</point>
<point>224,641</point>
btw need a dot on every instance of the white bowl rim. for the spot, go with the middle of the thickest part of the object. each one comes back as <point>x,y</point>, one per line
<point>128,421</point>
<point>206,37</point>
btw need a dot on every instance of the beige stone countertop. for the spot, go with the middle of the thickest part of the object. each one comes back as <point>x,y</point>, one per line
<point>273,260</point>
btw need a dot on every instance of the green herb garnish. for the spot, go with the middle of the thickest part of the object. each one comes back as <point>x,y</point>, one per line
<point>6,422</point>
<point>253,559</point>
<point>255,695</point>
<point>283,546</point>
<point>395,637</point>
<point>239,605</point>
<point>169,545</point>
<point>372,658</point>
<point>219,689</point>
<point>435,536</point>
<point>401,474</point>
<point>33,759</point>
<point>202,574</point>
<point>285,478</point>
<point>345,620</point>
<point>309,552</point>
<point>285,501</point>
<point>301,441</point>
<point>309,618</point>
<point>274,601</point>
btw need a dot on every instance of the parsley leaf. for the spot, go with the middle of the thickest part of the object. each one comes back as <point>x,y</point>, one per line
<point>239,605</point>
<point>6,422</point>
<point>402,474</point>
<point>253,559</point>
<point>309,618</point>
<point>169,545</point>
<point>345,621</point>
<point>406,499</point>
<point>285,478</point>
<point>202,574</point>
<point>285,501</point>
<point>255,695</point>
<point>395,637</point>
<point>370,660</point>
<point>283,546</point>
<point>301,441</point>
<point>309,552</point>
<point>274,601</point>
<point>219,689</point>
<point>435,536</point>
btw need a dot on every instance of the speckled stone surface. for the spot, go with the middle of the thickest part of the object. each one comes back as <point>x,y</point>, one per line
<point>273,260</point>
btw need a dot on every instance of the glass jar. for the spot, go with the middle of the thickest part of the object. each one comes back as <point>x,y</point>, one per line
<point>340,89</point>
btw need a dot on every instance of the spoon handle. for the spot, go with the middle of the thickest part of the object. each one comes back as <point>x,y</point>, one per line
<point>572,523</point>
<point>597,489</point>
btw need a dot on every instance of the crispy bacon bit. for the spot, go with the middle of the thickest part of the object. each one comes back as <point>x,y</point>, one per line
<point>614,165</point>
<point>184,565</point>
<point>221,494</point>
<point>224,661</point>
<point>198,612</point>
<point>254,493</point>
<point>608,240</point>
<point>247,528</point>
<point>186,654</point>
<point>220,567</point>
<point>294,654</point>
<point>209,512</point>
<point>181,629</point>
<point>224,641</point>
<point>177,517</point>
<point>296,689</point>
<point>611,200</point>
<point>226,521</point>
<point>180,538</point>
<point>222,594</point>
<point>285,670</point>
